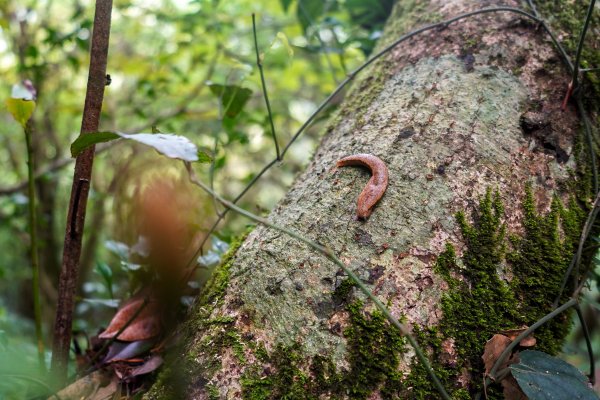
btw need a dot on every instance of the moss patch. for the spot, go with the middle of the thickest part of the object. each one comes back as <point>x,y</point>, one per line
<point>481,304</point>
<point>539,262</point>
<point>374,349</point>
<point>373,352</point>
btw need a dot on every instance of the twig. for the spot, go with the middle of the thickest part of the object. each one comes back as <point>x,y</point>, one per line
<point>588,135</point>
<point>264,87</point>
<point>33,250</point>
<point>588,343</point>
<point>329,254</point>
<point>574,84</point>
<point>586,25</point>
<point>576,260</point>
<point>534,10</point>
<point>83,171</point>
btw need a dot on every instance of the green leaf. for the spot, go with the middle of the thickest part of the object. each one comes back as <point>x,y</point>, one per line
<point>172,146</point>
<point>233,98</point>
<point>89,139</point>
<point>20,109</point>
<point>543,377</point>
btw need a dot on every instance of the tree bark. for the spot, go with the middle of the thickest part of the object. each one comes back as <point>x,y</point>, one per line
<point>486,198</point>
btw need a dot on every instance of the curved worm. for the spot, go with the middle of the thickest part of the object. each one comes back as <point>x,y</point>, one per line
<point>376,186</point>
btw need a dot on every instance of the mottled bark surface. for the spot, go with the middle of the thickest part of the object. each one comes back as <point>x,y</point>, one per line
<point>453,113</point>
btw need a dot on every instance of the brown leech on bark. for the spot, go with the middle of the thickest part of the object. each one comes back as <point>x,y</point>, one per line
<point>375,187</point>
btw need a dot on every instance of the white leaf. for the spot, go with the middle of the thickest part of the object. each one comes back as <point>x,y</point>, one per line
<point>172,146</point>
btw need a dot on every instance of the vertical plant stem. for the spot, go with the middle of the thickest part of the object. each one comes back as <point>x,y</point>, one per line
<point>588,343</point>
<point>264,88</point>
<point>35,264</point>
<point>79,191</point>
<point>586,25</point>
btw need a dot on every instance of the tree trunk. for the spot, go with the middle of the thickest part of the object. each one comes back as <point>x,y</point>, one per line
<point>486,198</point>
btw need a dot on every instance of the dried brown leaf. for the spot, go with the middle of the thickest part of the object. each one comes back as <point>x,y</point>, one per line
<point>492,350</point>
<point>146,325</point>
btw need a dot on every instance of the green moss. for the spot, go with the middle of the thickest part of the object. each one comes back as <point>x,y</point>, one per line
<point>213,392</point>
<point>373,353</point>
<point>341,294</point>
<point>374,349</point>
<point>539,262</point>
<point>445,263</point>
<point>237,346</point>
<point>284,380</point>
<point>482,304</point>
<point>418,384</point>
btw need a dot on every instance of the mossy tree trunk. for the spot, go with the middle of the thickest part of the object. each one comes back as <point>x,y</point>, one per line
<point>487,193</point>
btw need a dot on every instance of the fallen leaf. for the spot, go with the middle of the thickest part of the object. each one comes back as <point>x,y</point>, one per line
<point>492,350</point>
<point>86,387</point>
<point>106,392</point>
<point>146,325</point>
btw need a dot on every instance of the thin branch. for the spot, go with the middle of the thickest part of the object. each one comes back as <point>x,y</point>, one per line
<point>584,30</point>
<point>80,189</point>
<point>33,246</point>
<point>576,260</point>
<point>329,254</point>
<point>588,342</point>
<point>534,10</point>
<point>264,87</point>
